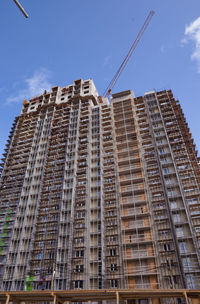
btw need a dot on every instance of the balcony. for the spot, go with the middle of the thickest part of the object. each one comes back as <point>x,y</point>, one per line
<point>136,225</point>
<point>141,211</point>
<point>129,168</point>
<point>134,239</point>
<point>139,254</point>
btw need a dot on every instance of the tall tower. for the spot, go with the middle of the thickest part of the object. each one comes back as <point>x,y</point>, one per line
<point>99,195</point>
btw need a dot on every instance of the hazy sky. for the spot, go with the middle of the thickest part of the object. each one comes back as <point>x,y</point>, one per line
<point>63,40</point>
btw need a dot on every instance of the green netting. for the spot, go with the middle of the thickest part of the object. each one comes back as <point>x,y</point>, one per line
<point>2,242</point>
<point>7,218</point>
<point>5,226</point>
<point>29,283</point>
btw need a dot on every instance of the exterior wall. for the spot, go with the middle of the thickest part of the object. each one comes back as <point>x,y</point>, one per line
<point>172,186</point>
<point>100,195</point>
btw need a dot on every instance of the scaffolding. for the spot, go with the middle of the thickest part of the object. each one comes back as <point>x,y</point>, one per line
<point>99,195</point>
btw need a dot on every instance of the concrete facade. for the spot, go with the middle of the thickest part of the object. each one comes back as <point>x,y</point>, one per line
<point>99,195</point>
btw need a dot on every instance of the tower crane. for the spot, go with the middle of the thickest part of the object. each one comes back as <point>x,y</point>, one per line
<point>122,66</point>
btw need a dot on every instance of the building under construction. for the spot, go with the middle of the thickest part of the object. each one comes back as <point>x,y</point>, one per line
<point>100,195</point>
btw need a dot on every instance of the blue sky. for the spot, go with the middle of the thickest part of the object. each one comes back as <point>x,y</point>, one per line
<point>65,40</point>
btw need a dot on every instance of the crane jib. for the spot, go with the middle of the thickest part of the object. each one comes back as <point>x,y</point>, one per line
<point>122,66</point>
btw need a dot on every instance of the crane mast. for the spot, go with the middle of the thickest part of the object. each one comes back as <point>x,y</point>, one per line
<point>122,66</point>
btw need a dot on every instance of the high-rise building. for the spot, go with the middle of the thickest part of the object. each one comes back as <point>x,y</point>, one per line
<point>97,194</point>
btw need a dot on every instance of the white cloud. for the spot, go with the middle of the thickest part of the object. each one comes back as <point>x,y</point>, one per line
<point>192,32</point>
<point>32,86</point>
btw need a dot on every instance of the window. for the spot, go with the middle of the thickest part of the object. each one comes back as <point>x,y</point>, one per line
<point>152,172</point>
<point>177,218</point>
<point>182,167</point>
<point>170,193</point>
<point>80,225</point>
<point>79,240</point>
<point>179,232</point>
<point>183,247</point>
<point>195,211</point>
<point>173,205</point>
<point>161,216</point>
<point>113,252</point>
<point>169,123</point>
<point>156,194</point>
<point>79,284</point>
<point>100,268</point>
<point>113,283</point>
<point>164,232</point>
<point>187,264</point>
<point>80,214</point>
<point>192,201</point>
<point>79,268</point>
<point>40,256</point>
<point>51,255</point>
<point>168,180</point>
<point>109,180</point>
<point>99,227</point>
<point>189,189</point>
<point>99,240</point>
<point>197,229</point>
<point>161,151</point>
<point>79,253</point>
<point>113,267</point>
<point>155,181</point>
<point>159,206</point>
<point>190,281</point>
<point>112,238</point>
<point>175,279</point>
<point>167,247</point>
<point>166,170</point>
